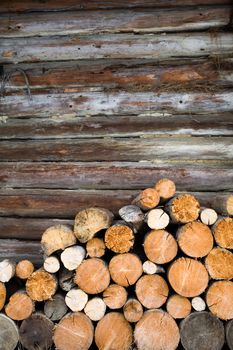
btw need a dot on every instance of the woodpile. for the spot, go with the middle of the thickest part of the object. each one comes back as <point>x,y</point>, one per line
<point>155,277</point>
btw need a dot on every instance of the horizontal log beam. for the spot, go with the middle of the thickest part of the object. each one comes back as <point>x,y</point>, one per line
<point>17,250</point>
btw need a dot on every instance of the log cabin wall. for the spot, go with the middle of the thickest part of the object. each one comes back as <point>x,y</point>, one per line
<point>101,98</point>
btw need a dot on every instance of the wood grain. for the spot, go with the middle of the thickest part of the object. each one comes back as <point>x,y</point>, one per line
<point>19,250</point>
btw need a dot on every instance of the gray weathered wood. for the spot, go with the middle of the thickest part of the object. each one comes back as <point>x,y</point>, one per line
<point>9,334</point>
<point>19,250</point>
<point>56,308</point>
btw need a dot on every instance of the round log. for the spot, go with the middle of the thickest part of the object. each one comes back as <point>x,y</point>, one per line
<point>55,308</point>
<point>113,332</point>
<point>36,332</point>
<point>90,221</point>
<point>195,239</point>
<point>66,279</point>
<point>160,246</point>
<point>132,214</point>
<point>166,189</point>
<point>2,295</point>
<point>156,330</point>
<point>183,208</point>
<point>219,263</point>
<point>74,332</point>
<point>95,309</point>
<point>7,270</point>
<point>41,285</point>
<point>76,299</point>
<point>125,269</point>
<point>178,306</point>
<point>150,268</point>
<point>152,291</point>
<point>95,248</point>
<point>198,304</point>
<point>188,277</point>
<point>201,330</point>
<point>219,299</point>
<point>51,264</point>
<point>24,269</point>
<point>147,199</point>
<point>20,306</point>
<point>72,257</point>
<point>157,219</point>
<point>223,232</point>
<point>229,334</point>
<point>115,296</point>
<point>119,238</point>
<point>9,333</point>
<point>133,310</point>
<point>208,216</point>
<point>56,238</point>
<point>92,276</point>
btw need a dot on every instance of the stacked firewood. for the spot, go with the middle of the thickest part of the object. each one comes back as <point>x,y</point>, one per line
<point>158,274</point>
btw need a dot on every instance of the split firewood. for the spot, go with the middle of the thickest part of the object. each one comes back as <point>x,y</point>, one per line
<point>56,238</point>
<point>51,264</point>
<point>119,238</point>
<point>160,246</point>
<point>202,330</point>
<point>115,296</point>
<point>166,189</point>
<point>195,239</point>
<point>188,277</point>
<point>2,295</point>
<point>75,331</point>
<point>198,304</point>
<point>125,269</point>
<point>92,276</point>
<point>147,199</point>
<point>55,308</point>
<point>41,285</point>
<point>152,291</point>
<point>9,333</point>
<point>178,306</point>
<point>133,310</point>
<point>157,219</point>
<point>219,263</point>
<point>36,332</point>
<point>219,299</point>
<point>95,309</point>
<point>20,306</point>
<point>151,268</point>
<point>166,336</point>
<point>223,232</point>
<point>72,257</point>
<point>95,248</point>
<point>229,334</point>
<point>76,299</point>
<point>183,208</point>
<point>7,270</point>
<point>208,216</point>
<point>90,221</point>
<point>66,279</point>
<point>114,332</point>
<point>133,215</point>
<point>24,269</point>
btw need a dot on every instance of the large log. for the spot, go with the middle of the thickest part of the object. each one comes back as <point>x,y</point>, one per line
<point>18,250</point>
<point>9,334</point>
<point>219,299</point>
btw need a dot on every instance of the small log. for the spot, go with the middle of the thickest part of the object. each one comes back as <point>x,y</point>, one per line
<point>150,268</point>
<point>72,257</point>
<point>36,332</point>
<point>152,291</point>
<point>166,189</point>
<point>202,330</point>
<point>51,264</point>
<point>195,239</point>
<point>223,206</point>
<point>219,299</point>
<point>2,295</point>
<point>66,279</point>
<point>41,285</point>
<point>92,276</point>
<point>183,209</point>
<point>208,216</point>
<point>75,331</point>
<point>95,248</point>
<point>9,333</point>
<point>198,304</point>
<point>76,299</point>
<point>56,238</point>
<point>125,269</point>
<point>223,232</point>
<point>7,270</point>
<point>113,332</point>
<point>24,269</point>
<point>95,309</point>
<point>133,310</point>
<point>188,277</point>
<point>156,330</point>
<point>119,238</point>
<point>229,334</point>
<point>55,308</point>
<point>178,306</point>
<point>147,199</point>
<point>115,296</point>
<point>219,264</point>
<point>133,215</point>
<point>90,221</point>
<point>157,219</point>
<point>20,306</point>
<point>160,246</point>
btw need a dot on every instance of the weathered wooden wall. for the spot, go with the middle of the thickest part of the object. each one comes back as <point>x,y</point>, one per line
<point>120,93</point>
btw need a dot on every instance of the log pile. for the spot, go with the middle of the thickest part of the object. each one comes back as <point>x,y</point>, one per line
<point>157,276</point>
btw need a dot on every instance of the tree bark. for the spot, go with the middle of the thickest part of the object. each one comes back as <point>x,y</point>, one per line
<point>66,279</point>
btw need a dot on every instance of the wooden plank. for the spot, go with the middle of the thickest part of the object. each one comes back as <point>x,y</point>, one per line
<point>17,250</point>
<point>115,21</point>
<point>73,47</point>
<point>115,175</point>
<point>119,149</point>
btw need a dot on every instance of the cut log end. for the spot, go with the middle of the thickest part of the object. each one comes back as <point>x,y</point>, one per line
<point>2,295</point>
<point>56,308</point>
<point>115,296</point>
<point>72,257</point>
<point>119,238</point>
<point>131,214</point>
<point>208,216</point>
<point>51,264</point>
<point>223,233</point>
<point>147,199</point>
<point>66,279</point>
<point>229,205</point>
<point>219,263</point>
<point>76,299</point>
<point>198,304</point>
<point>41,285</point>
<point>9,333</point>
<point>20,306</point>
<point>133,310</point>
<point>150,268</point>
<point>166,189</point>
<point>95,248</point>
<point>151,291</point>
<point>184,208</point>
<point>24,269</point>
<point>178,306</point>
<point>157,219</point>
<point>95,309</point>
<point>219,299</point>
<point>229,334</point>
<point>7,270</point>
<point>56,238</point>
<point>125,269</point>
